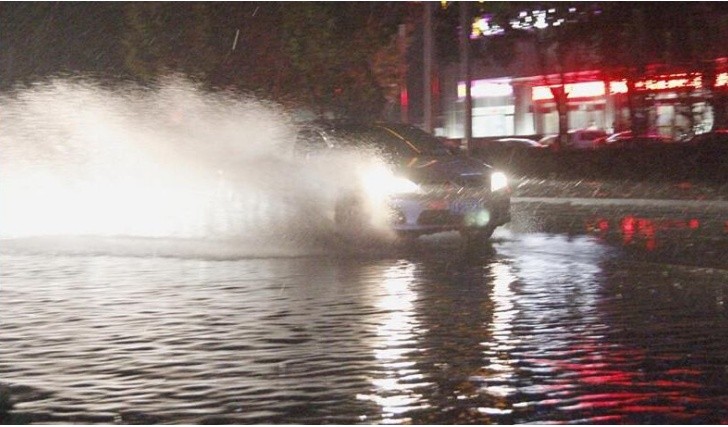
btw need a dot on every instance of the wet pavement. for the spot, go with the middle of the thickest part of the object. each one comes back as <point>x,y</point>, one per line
<point>577,312</point>
<point>622,189</point>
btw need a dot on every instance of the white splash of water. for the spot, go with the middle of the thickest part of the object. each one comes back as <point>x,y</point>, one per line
<point>81,159</point>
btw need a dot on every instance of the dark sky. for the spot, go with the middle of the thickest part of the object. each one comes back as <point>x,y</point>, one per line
<point>40,38</point>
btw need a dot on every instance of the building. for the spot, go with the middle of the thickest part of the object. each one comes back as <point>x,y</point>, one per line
<point>676,103</point>
<point>671,98</point>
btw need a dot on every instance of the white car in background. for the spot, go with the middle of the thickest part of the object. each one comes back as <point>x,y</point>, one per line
<point>578,139</point>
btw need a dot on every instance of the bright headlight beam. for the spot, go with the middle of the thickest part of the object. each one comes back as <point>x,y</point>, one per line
<point>380,181</point>
<point>498,181</point>
<point>403,186</point>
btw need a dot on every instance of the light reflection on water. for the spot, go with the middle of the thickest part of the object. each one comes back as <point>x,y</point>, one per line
<point>543,328</point>
<point>497,375</point>
<point>396,337</point>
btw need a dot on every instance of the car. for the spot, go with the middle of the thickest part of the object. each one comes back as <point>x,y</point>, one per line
<point>715,136</point>
<point>627,140</point>
<point>548,140</point>
<point>583,139</point>
<point>507,144</point>
<point>577,139</point>
<point>504,152</point>
<point>421,185</point>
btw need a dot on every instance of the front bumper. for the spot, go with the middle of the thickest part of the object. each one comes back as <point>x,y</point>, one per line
<point>435,212</point>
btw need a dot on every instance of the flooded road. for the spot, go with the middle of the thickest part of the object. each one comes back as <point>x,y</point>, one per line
<point>604,315</point>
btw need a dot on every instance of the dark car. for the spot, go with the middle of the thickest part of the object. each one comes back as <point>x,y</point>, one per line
<point>627,140</point>
<point>716,136</point>
<point>577,139</point>
<point>510,144</point>
<point>502,152</point>
<point>423,186</point>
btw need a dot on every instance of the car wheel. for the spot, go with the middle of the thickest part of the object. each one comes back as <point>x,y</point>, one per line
<point>476,236</point>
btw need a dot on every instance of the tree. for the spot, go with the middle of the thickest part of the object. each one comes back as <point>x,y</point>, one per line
<point>336,58</point>
<point>41,39</point>
<point>163,38</point>
<point>343,56</point>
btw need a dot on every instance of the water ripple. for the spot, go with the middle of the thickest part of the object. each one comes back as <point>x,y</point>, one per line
<point>421,338</point>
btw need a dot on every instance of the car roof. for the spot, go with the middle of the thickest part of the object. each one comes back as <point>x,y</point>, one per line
<point>527,141</point>
<point>395,136</point>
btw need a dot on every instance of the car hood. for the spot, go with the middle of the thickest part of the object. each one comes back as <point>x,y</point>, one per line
<point>461,170</point>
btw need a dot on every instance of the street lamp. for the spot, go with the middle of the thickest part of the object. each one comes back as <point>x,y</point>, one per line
<point>465,30</point>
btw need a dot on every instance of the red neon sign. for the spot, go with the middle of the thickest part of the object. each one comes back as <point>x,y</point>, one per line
<point>581,90</point>
<point>721,80</point>
<point>660,83</point>
<point>618,86</point>
<point>672,81</point>
<point>573,90</point>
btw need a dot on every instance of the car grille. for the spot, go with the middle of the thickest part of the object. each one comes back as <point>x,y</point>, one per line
<point>466,181</point>
<point>471,181</point>
<point>438,217</point>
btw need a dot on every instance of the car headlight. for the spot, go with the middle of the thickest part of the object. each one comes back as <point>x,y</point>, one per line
<point>400,185</point>
<point>379,181</point>
<point>498,181</point>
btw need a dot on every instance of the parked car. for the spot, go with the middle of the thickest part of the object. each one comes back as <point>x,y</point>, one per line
<point>627,140</point>
<point>507,144</point>
<point>548,140</point>
<point>503,152</point>
<point>716,136</point>
<point>583,139</point>
<point>516,143</point>
<point>578,139</point>
<point>424,186</point>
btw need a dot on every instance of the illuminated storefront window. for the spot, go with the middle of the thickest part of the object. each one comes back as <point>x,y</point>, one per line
<point>485,89</point>
<point>493,107</point>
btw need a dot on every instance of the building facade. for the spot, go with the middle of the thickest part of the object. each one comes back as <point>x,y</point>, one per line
<point>675,103</point>
<point>519,100</point>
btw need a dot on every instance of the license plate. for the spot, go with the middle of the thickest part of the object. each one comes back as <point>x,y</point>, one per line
<point>464,206</point>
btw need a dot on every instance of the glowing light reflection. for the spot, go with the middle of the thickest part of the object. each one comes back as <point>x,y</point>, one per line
<point>395,392</point>
<point>500,370</point>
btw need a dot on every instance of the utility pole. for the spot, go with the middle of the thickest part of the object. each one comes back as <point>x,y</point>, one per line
<point>465,26</point>
<point>403,95</point>
<point>428,50</point>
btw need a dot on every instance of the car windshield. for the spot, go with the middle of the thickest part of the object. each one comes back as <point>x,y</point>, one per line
<point>398,141</point>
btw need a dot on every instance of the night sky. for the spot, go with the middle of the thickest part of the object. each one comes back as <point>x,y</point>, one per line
<point>40,38</point>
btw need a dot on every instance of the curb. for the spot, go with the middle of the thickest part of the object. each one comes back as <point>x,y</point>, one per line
<point>704,204</point>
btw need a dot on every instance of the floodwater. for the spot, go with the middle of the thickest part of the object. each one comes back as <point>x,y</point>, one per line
<point>543,325</point>
<point>163,261</point>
